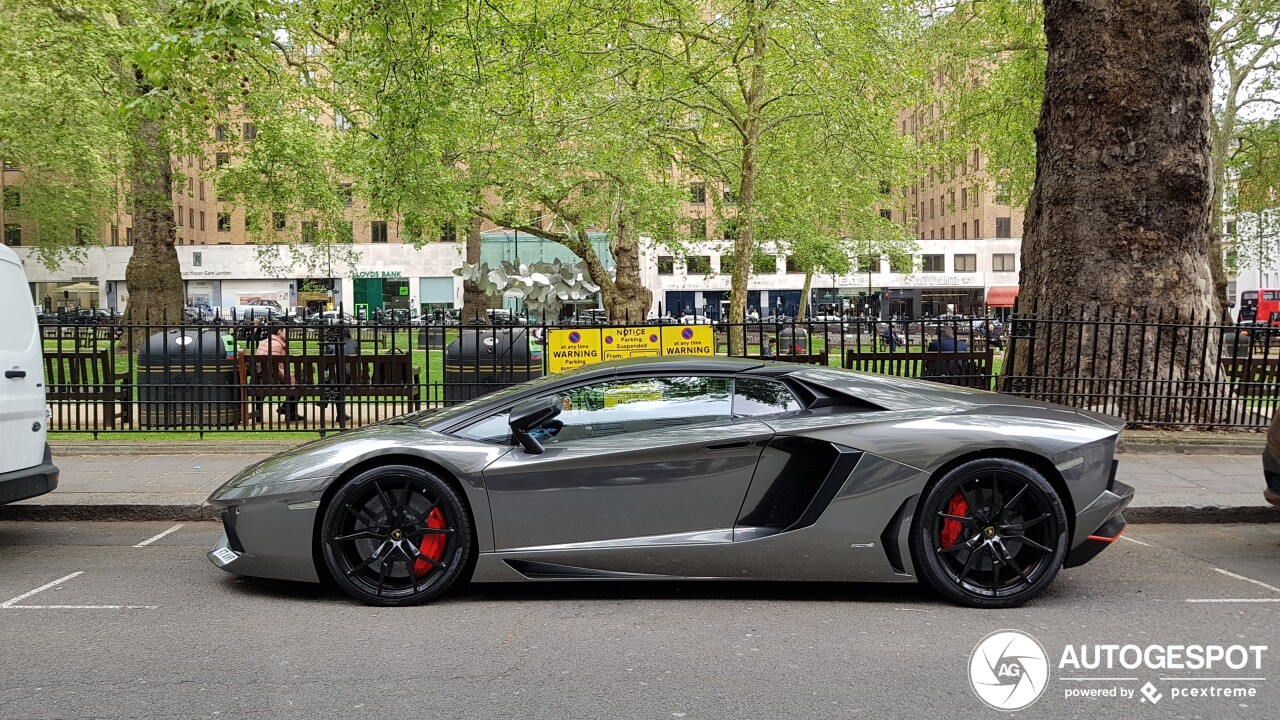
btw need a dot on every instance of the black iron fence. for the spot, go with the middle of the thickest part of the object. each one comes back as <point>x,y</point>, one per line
<point>329,374</point>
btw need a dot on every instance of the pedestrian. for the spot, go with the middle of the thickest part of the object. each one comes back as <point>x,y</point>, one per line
<point>891,338</point>
<point>948,342</point>
<point>275,344</point>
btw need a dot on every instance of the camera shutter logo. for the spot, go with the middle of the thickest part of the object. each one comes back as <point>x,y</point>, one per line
<point>1008,670</point>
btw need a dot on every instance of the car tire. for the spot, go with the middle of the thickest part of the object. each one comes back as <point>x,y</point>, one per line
<point>396,535</point>
<point>990,533</point>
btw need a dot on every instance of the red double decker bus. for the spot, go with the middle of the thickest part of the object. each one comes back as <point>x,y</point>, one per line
<point>1260,306</point>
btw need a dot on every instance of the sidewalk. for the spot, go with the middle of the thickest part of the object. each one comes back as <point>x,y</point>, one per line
<point>1169,487</point>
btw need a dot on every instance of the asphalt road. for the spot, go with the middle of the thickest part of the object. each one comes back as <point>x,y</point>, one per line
<point>156,631</point>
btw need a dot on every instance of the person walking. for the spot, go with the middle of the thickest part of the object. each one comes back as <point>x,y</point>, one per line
<point>275,344</point>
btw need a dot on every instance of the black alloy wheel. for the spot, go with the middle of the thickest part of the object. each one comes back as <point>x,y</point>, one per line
<point>396,535</point>
<point>990,533</point>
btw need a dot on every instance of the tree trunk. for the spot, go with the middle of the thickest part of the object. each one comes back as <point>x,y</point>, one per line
<point>804,296</point>
<point>474,301</point>
<point>1119,214</point>
<point>627,299</point>
<point>153,275</point>
<point>1224,128</point>
<point>745,241</point>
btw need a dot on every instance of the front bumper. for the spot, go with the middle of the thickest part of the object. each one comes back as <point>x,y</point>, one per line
<point>1106,518</point>
<point>29,482</point>
<point>1271,471</point>
<point>270,535</point>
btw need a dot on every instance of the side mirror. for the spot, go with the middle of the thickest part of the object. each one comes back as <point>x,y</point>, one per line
<point>530,414</point>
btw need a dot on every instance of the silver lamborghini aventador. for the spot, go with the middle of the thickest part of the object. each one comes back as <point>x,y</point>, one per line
<point>709,469</point>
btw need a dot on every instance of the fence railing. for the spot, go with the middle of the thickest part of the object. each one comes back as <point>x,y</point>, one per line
<point>327,375</point>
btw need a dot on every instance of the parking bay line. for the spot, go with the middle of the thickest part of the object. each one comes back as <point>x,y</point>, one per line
<point>1230,574</point>
<point>1139,542</point>
<point>12,604</point>
<point>154,538</point>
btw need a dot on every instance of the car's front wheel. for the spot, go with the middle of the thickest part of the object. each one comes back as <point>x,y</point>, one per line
<point>396,535</point>
<point>990,533</point>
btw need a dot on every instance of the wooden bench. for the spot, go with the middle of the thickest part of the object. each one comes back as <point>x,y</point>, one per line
<point>966,368</point>
<point>330,378</point>
<point>88,376</point>
<point>1252,376</point>
<point>821,358</point>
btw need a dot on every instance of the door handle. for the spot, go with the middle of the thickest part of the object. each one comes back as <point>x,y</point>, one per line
<point>15,373</point>
<point>728,446</point>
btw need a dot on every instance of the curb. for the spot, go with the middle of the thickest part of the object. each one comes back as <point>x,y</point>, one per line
<point>1170,514</point>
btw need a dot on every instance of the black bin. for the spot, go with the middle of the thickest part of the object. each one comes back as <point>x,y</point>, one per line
<point>487,359</point>
<point>792,341</point>
<point>188,378</point>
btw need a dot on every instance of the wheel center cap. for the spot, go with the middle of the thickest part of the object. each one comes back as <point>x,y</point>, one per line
<point>396,534</point>
<point>989,531</point>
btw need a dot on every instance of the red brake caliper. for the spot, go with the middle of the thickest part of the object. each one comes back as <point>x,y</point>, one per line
<point>951,528</point>
<point>432,544</point>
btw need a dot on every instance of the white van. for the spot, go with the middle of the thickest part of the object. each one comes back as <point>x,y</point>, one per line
<point>26,465</point>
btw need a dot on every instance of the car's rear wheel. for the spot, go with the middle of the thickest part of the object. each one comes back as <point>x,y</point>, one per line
<point>396,535</point>
<point>990,533</point>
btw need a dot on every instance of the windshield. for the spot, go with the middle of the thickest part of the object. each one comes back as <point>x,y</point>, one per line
<point>443,414</point>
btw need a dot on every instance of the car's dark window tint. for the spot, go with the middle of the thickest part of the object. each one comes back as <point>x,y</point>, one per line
<point>621,407</point>
<point>752,397</point>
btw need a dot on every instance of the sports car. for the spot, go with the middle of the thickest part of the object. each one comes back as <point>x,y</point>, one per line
<point>709,468</point>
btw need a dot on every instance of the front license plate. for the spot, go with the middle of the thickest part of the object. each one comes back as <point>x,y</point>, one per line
<point>225,555</point>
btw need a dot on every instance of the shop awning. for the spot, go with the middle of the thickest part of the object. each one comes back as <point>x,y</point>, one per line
<point>1002,296</point>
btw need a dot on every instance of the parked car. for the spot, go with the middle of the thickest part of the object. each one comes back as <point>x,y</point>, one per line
<point>26,463</point>
<point>696,320</point>
<point>950,488</point>
<point>1271,462</point>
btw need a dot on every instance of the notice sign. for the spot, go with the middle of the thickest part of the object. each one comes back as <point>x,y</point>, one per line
<point>569,349</point>
<point>623,343</point>
<point>688,340</point>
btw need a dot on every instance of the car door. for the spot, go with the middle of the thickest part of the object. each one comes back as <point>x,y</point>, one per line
<point>22,417</point>
<point>627,458</point>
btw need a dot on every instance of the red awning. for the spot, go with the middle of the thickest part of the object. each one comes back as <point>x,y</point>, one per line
<point>1002,296</point>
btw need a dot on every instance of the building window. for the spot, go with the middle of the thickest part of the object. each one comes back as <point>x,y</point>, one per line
<point>666,265</point>
<point>964,231</point>
<point>1231,228</point>
<point>220,133</point>
<point>277,220</point>
<point>764,264</point>
<point>966,263</point>
<point>201,189</point>
<point>698,229</point>
<point>222,159</point>
<point>9,167</point>
<point>933,263</point>
<point>726,263</point>
<point>698,193</point>
<point>1002,262</point>
<point>1002,193</point>
<point>975,159</point>
<point>931,235</point>
<point>12,234</point>
<point>201,219</point>
<point>964,198</point>
<point>128,236</point>
<point>448,232</point>
<point>1004,227</point>
<point>730,197</point>
<point>248,222</point>
<point>953,232</point>
<point>793,266</point>
<point>310,229</point>
<point>197,259</point>
<point>884,187</point>
<point>191,187</point>
<point>345,190</point>
<point>921,209</point>
<point>250,131</point>
<point>191,218</point>
<point>345,232</point>
<point>340,122</point>
<point>976,232</point>
<point>179,216</point>
<point>886,213</point>
<point>224,222</point>
<point>698,264</point>
<point>12,198</point>
<point>931,209</point>
<point>953,199</point>
<point>115,234</point>
<point>378,231</point>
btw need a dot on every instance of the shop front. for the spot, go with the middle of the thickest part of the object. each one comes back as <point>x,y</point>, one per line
<point>240,294</point>
<point>379,290</point>
<point>318,294</point>
<point>435,296</point>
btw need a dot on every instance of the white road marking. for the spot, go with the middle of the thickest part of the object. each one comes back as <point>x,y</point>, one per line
<point>1213,679</point>
<point>1126,537</point>
<point>150,540</point>
<point>1231,600</point>
<point>1228,573</point>
<point>13,603</point>
<point>1098,679</point>
<point>42,588</point>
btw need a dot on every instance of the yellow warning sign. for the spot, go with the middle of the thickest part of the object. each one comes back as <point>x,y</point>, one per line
<point>629,342</point>
<point>572,348</point>
<point>688,340</point>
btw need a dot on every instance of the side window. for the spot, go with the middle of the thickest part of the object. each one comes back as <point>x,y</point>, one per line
<point>622,407</point>
<point>753,396</point>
